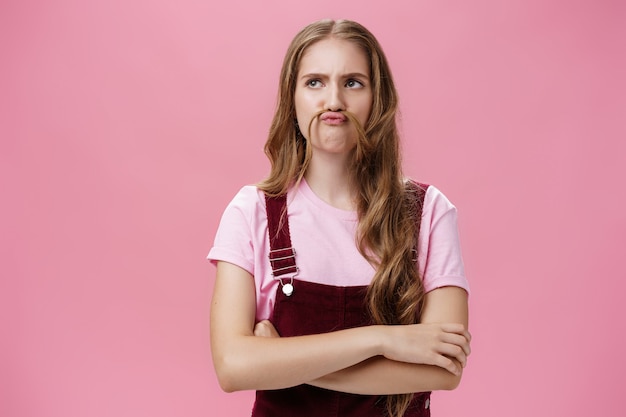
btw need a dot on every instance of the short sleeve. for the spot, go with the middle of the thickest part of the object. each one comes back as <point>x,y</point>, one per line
<point>234,238</point>
<point>440,259</point>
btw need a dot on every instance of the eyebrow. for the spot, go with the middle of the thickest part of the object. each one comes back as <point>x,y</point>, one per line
<point>349,75</point>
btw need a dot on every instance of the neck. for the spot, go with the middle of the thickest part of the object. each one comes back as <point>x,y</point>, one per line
<point>330,180</point>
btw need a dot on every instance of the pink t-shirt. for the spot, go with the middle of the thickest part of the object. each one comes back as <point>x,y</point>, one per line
<point>324,241</point>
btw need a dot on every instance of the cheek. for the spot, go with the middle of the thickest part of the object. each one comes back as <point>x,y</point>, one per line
<point>365,111</point>
<point>300,105</point>
<point>301,117</point>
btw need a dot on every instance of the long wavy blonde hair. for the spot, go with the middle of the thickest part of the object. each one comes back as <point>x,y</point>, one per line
<point>386,207</point>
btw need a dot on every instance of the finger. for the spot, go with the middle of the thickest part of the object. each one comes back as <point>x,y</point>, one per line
<point>455,352</point>
<point>259,330</point>
<point>452,327</point>
<point>457,328</point>
<point>273,331</point>
<point>458,340</point>
<point>447,364</point>
<point>264,329</point>
<point>268,329</point>
<point>467,335</point>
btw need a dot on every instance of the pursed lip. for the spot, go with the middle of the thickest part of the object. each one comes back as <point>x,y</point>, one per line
<point>333,118</point>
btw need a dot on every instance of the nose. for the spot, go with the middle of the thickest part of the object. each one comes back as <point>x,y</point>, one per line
<point>335,99</point>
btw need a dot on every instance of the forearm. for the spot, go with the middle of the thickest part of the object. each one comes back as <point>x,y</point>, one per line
<point>382,376</point>
<point>250,362</point>
<point>245,361</point>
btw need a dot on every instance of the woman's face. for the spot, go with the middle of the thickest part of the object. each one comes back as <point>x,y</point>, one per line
<point>333,76</point>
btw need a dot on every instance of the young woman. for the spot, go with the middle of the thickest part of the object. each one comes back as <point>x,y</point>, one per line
<point>340,287</point>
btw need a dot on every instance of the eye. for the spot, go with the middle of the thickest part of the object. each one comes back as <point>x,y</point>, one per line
<point>314,83</point>
<point>352,83</point>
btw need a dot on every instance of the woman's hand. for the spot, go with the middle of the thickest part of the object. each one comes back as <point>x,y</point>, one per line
<point>265,328</point>
<point>428,344</point>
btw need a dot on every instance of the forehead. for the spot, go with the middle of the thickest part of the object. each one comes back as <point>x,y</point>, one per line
<point>332,55</point>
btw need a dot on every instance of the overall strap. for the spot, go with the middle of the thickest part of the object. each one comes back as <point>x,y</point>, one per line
<point>282,254</point>
<point>419,190</point>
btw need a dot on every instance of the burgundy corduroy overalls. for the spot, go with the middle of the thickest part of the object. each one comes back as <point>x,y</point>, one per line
<point>314,308</point>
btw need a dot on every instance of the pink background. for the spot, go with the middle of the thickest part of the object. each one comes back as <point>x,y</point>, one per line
<point>127,126</point>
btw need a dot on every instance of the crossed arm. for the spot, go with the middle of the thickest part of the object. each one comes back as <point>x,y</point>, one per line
<point>365,360</point>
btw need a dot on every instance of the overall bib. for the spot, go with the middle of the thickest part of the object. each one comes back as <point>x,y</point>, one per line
<point>303,308</point>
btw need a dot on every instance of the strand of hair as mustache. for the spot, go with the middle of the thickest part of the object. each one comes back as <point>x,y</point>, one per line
<point>351,116</point>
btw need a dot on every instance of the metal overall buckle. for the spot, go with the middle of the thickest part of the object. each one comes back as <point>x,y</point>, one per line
<point>287,288</point>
